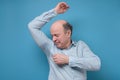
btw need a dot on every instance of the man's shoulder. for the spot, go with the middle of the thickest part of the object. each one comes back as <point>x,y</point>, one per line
<point>80,42</point>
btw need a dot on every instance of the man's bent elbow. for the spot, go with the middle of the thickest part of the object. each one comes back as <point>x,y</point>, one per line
<point>30,25</point>
<point>97,65</point>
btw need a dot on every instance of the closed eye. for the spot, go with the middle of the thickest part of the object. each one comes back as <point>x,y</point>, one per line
<point>56,35</point>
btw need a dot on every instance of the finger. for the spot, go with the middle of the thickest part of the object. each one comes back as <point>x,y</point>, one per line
<point>56,61</point>
<point>54,58</point>
<point>65,7</point>
<point>63,4</point>
<point>54,55</point>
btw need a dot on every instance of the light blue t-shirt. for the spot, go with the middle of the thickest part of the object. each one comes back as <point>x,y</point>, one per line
<point>81,58</point>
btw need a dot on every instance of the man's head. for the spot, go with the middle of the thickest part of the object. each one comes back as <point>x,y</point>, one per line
<point>61,32</point>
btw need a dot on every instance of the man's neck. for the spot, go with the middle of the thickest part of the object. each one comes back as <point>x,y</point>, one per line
<point>68,44</point>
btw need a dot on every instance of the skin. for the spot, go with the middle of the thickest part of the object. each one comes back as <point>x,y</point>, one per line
<point>60,37</point>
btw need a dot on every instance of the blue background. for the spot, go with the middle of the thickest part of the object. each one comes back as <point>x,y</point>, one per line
<point>97,22</point>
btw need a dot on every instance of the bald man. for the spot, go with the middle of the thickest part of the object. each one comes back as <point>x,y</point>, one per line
<point>68,60</point>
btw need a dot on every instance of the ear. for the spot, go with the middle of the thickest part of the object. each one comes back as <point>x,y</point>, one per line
<point>68,33</point>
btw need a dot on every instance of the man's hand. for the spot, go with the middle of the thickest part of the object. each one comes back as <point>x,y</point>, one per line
<point>60,59</point>
<point>61,7</point>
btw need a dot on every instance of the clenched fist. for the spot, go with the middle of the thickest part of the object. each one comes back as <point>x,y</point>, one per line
<point>61,7</point>
<point>60,58</point>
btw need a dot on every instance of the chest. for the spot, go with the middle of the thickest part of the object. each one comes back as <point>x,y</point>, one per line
<point>75,51</point>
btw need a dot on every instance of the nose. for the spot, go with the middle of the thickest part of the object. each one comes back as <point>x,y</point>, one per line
<point>54,39</point>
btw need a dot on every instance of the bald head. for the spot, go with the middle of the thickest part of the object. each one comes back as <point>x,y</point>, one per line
<point>60,21</point>
<point>62,24</point>
<point>58,24</point>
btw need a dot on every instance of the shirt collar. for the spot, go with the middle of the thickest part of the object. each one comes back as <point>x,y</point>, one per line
<point>73,44</point>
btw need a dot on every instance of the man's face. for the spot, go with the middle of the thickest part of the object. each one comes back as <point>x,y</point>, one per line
<point>59,36</point>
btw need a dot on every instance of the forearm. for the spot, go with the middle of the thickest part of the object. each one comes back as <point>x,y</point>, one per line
<point>39,21</point>
<point>90,64</point>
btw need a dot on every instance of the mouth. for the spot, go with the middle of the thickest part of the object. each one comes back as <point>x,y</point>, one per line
<point>56,43</point>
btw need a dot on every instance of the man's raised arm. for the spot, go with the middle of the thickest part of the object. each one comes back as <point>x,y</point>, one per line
<point>36,24</point>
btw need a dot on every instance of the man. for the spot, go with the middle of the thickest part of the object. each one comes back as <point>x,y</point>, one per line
<point>68,60</point>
